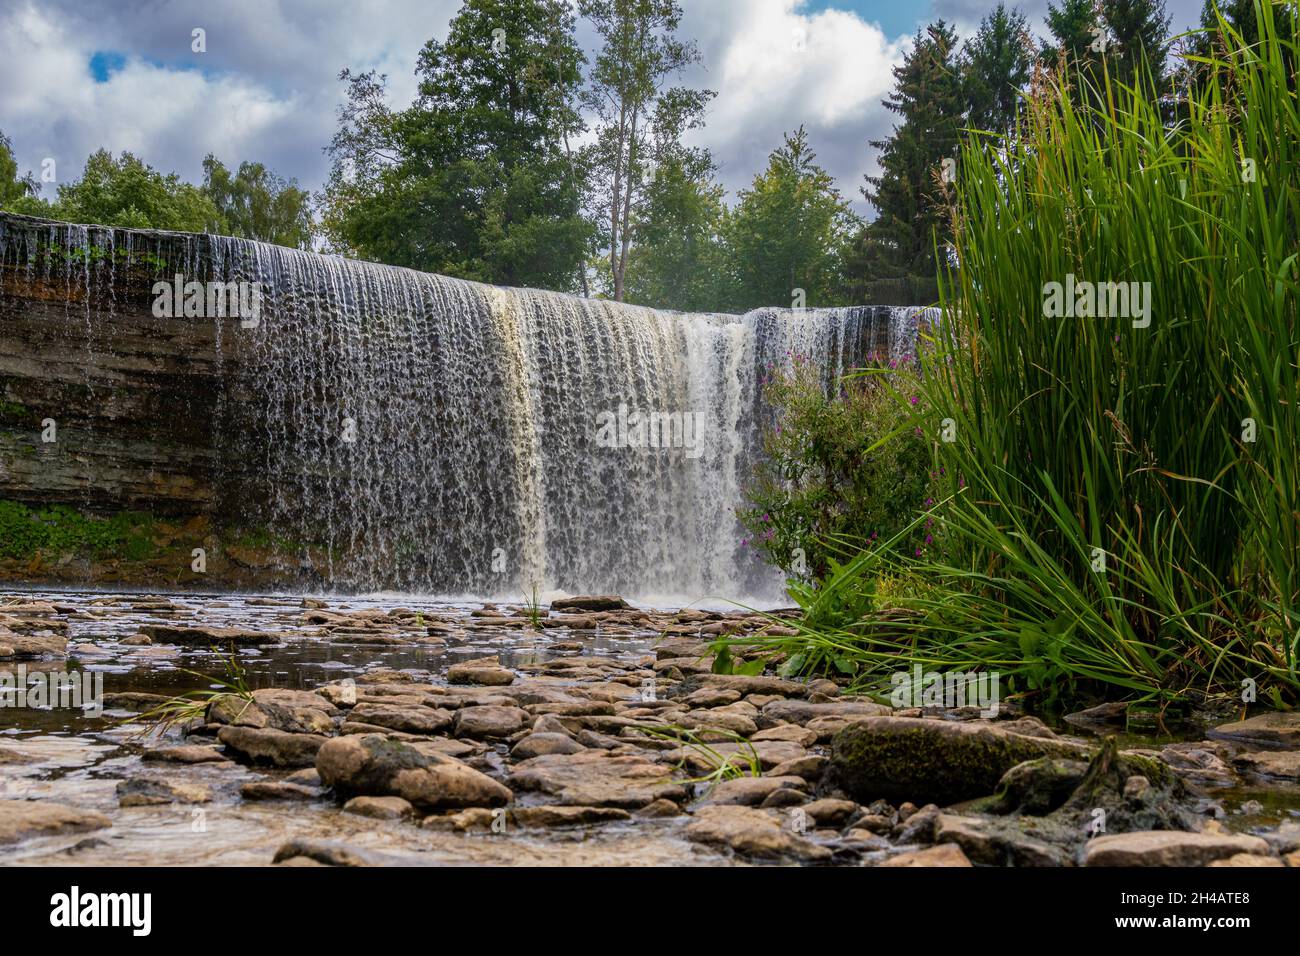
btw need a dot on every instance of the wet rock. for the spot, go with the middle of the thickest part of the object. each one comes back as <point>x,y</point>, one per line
<point>945,854</point>
<point>711,697</point>
<point>810,767</point>
<point>751,791</point>
<point>487,672</point>
<point>292,712</point>
<point>802,711</point>
<point>789,732</point>
<point>1039,786</point>
<point>919,827</point>
<point>1109,712</point>
<point>1276,729</point>
<point>151,792</point>
<point>1163,804</point>
<point>767,753</point>
<point>375,766</point>
<point>136,701</point>
<point>276,790</point>
<point>659,809</point>
<point>597,778</point>
<point>997,842</point>
<point>333,853</point>
<point>754,833</point>
<point>1168,848</point>
<point>831,813</point>
<point>380,808</point>
<point>274,747</point>
<point>33,645</point>
<point>1283,765</point>
<point>717,720</point>
<point>184,753</point>
<point>567,816</point>
<point>199,636</point>
<point>137,640</point>
<point>490,721</point>
<point>410,718</point>
<point>23,819</point>
<point>1248,859</point>
<point>475,818</point>
<point>539,744</point>
<point>742,684</point>
<point>589,602</point>
<point>944,762</point>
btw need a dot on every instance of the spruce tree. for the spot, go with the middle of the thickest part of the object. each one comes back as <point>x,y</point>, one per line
<point>909,195</point>
<point>996,64</point>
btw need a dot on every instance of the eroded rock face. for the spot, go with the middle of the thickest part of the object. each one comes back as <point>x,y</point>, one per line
<point>933,761</point>
<point>373,766</point>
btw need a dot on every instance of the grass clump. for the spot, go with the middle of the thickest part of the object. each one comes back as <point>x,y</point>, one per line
<point>1121,493</point>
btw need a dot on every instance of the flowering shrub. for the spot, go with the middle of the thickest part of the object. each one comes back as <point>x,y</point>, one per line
<point>843,468</point>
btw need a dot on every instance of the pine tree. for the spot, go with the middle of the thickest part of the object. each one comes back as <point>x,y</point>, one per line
<point>787,232</point>
<point>1139,37</point>
<point>996,65</point>
<point>908,195</point>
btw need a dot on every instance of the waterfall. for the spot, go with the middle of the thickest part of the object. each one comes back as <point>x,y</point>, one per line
<point>397,430</point>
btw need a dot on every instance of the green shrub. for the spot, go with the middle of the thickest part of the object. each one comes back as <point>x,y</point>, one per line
<point>842,467</point>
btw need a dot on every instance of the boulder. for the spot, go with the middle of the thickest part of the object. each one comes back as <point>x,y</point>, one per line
<point>1275,729</point>
<point>945,854</point>
<point>374,766</point>
<point>151,792</point>
<point>753,833</point>
<point>932,761</point>
<point>595,778</point>
<point>589,602</point>
<point>22,819</point>
<point>1168,848</point>
<point>274,747</point>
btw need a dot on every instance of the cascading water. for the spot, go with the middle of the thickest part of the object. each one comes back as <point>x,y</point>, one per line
<point>407,431</point>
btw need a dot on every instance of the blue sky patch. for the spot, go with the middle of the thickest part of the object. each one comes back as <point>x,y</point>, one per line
<point>104,63</point>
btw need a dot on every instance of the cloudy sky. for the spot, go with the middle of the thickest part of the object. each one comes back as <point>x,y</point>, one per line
<point>78,76</point>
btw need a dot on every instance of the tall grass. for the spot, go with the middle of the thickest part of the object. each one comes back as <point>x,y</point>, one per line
<point>1116,525</point>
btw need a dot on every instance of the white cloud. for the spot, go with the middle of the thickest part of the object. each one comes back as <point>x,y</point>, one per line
<point>831,81</point>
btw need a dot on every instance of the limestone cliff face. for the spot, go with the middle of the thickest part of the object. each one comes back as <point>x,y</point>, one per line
<point>132,397</point>
<point>106,408</point>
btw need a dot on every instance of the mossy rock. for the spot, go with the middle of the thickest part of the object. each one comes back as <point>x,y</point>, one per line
<point>933,761</point>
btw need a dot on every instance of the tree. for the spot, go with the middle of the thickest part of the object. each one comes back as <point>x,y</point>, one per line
<point>1118,34</point>
<point>12,186</point>
<point>474,179</point>
<point>788,231</point>
<point>257,204</point>
<point>677,261</point>
<point>639,121</point>
<point>909,194</point>
<point>996,66</point>
<point>1139,35</point>
<point>127,192</point>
